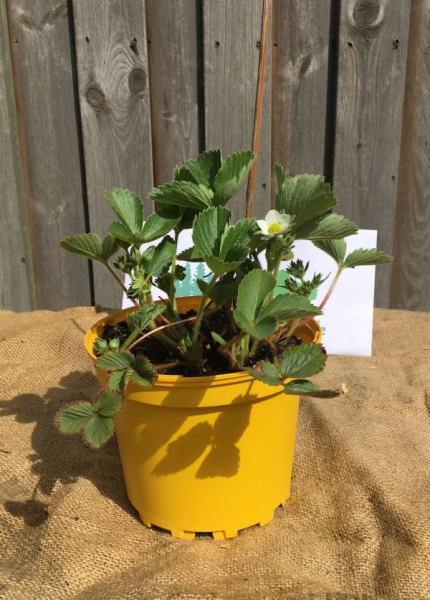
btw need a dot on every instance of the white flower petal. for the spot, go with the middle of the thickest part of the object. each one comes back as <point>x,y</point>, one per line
<point>263,226</point>
<point>273,216</point>
<point>285,219</point>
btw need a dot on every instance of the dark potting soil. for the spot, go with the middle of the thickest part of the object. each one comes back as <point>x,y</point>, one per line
<point>214,363</point>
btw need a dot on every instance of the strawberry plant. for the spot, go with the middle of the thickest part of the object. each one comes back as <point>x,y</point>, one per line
<point>239,324</point>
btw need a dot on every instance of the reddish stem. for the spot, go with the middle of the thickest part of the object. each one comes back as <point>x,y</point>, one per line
<point>323,303</point>
<point>327,296</point>
<point>154,331</point>
<point>284,330</point>
<point>176,363</point>
<point>258,103</point>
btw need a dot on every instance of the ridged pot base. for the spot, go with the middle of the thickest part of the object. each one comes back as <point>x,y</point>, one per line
<point>223,534</point>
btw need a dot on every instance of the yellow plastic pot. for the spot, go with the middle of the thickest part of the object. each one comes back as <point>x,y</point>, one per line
<point>206,454</point>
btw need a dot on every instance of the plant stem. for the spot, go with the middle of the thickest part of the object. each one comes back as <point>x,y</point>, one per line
<point>258,103</point>
<point>172,297</point>
<point>112,272</point>
<point>129,340</point>
<point>335,280</point>
<point>293,327</point>
<point>232,341</point>
<point>176,363</point>
<point>234,360</point>
<point>158,331</point>
<point>329,293</point>
<point>256,257</point>
<point>277,265</point>
<point>254,346</point>
<point>275,275</point>
<point>201,309</point>
<point>229,315</point>
<point>285,332</point>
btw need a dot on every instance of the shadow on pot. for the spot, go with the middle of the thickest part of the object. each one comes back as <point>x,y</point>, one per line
<point>220,438</point>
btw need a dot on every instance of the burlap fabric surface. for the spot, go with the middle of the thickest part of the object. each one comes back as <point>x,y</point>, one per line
<point>357,524</point>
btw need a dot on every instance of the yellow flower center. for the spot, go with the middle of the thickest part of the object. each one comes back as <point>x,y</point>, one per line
<point>275,227</point>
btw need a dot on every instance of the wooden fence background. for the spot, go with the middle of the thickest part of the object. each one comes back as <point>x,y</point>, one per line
<point>103,93</point>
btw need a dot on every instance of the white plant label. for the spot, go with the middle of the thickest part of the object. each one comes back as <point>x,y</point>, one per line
<point>348,315</point>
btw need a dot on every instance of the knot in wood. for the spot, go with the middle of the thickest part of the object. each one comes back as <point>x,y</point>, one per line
<point>56,14</point>
<point>96,99</point>
<point>367,18</point>
<point>137,81</point>
<point>305,63</point>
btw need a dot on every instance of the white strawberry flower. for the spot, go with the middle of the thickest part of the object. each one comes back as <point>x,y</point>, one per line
<point>274,223</point>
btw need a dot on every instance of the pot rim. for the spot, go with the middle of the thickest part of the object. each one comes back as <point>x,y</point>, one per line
<point>312,328</point>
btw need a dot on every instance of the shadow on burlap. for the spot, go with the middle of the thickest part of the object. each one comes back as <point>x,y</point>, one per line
<point>357,524</point>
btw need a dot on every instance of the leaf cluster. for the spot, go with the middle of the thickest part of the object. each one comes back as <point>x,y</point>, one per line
<point>242,292</point>
<point>297,283</point>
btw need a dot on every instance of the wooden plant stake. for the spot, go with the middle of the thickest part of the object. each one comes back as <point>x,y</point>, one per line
<point>258,103</point>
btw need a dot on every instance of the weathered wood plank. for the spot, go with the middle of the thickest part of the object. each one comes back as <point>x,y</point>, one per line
<point>16,271</point>
<point>372,65</point>
<point>232,33</point>
<point>173,70</point>
<point>49,140</point>
<point>114,100</point>
<point>299,85</point>
<point>410,282</point>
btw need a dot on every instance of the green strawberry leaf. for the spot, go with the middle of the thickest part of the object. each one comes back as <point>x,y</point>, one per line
<point>286,307</point>
<point>303,387</point>
<point>111,361</point>
<point>187,220</point>
<point>140,319</point>
<point>162,258</point>
<point>239,235</point>
<point>221,293</point>
<point>94,419</point>
<point>118,379</point>
<point>329,227</point>
<point>305,197</point>
<point>219,267</point>
<point>218,338</point>
<point>100,346</point>
<point>109,247</point>
<point>160,223</point>
<point>362,257</point>
<point>128,207</point>
<point>205,167</point>
<point>210,229</point>
<point>181,173</point>
<point>183,193</point>
<point>163,282</point>
<point>123,233</point>
<point>98,430</point>
<point>302,361</point>
<point>334,248</point>
<point>266,372</point>
<point>108,404</point>
<point>190,255</point>
<point>143,372</point>
<point>231,175</point>
<point>253,291</point>
<point>259,329</point>
<point>73,418</point>
<point>280,175</point>
<point>89,245</point>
